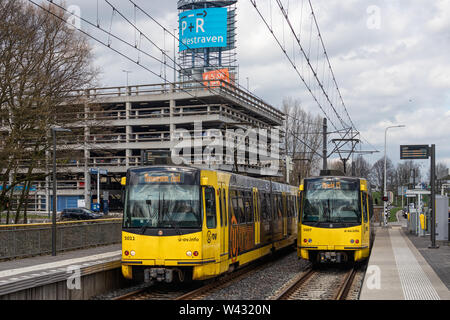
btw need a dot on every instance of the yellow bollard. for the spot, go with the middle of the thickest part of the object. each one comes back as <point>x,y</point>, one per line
<point>422,221</point>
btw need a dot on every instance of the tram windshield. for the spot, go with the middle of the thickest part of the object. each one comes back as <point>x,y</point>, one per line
<point>161,200</point>
<point>331,200</point>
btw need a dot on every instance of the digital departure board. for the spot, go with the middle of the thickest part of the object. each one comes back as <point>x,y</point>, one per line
<point>409,152</point>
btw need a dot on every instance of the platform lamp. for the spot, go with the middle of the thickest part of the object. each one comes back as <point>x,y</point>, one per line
<point>385,191</point>
<point>54,131</point>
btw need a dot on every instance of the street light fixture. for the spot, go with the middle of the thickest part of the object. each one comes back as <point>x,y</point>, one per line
<point>54,130</point>
<point>385,191</point>
<point>127,72</point>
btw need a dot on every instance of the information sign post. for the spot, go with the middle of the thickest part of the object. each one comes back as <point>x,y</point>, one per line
<point>412,152</point>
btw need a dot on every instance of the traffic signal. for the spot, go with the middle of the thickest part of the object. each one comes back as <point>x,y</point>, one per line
<point>385,198</point>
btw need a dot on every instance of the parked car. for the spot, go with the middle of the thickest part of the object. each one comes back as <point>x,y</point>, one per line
<point>80,214</point>
<point>405,212</point>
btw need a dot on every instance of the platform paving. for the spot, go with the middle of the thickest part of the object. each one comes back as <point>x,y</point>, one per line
<point>438,259</point>
<point>398,271</point>
<point>34,265</point>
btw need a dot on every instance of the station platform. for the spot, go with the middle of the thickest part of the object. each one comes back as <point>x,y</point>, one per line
<point>22,274</point>
<point>398,270</point>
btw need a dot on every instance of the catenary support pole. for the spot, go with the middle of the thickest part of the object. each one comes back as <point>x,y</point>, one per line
<point>324,150</point>
<point>433,197</point>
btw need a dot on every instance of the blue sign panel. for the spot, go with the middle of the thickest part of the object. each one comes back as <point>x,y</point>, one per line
<point>203,28</point>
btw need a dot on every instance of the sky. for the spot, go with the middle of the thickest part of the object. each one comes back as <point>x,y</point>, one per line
<point>390,59</point>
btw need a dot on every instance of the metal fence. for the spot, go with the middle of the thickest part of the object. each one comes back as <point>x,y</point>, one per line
<point>378,214</point>
<point>19,241</point>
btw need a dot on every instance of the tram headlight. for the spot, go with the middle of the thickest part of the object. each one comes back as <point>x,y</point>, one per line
<point>126,252</point>
<point>189,253</point>
<point>133,253</point>
<point>357,241</point>
<point>195,253</point>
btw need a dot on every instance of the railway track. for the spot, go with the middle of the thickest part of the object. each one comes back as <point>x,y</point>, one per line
<point>156,292</point>
<point>333,284</point>
<point>193,292</point>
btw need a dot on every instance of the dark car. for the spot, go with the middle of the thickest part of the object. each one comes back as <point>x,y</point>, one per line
<point>80,214</point>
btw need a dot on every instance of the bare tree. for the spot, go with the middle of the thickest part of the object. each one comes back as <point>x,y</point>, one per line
<point>376,175</point>
<point>303,139</point>
<point>362,167</point>
<point>41,61</point>
<point>441,170</point>
<point>407,170</point>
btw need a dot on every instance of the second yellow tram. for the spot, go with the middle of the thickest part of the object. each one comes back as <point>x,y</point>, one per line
<point>335,220</point>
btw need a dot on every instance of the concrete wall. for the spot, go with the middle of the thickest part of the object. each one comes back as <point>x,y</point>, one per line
<point>94,280</point>
<point>19,241</point>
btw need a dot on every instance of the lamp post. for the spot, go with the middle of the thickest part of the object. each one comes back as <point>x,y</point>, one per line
<point>385,191</point>
<point>54,130</point>
<point>127,72</point>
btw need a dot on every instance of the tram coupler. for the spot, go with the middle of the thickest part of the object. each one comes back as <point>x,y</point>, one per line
<point>333,257</point>
<point>158,274</point>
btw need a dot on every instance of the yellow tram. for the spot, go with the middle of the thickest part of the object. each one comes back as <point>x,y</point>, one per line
<point>335,220</point>
<point>183,223</point>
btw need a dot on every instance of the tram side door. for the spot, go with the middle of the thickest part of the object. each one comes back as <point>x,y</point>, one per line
<point>223,225</point>
<point>211,227</point>
<point>365,225</point>
<point>284,213</point>
<point>257,218</point>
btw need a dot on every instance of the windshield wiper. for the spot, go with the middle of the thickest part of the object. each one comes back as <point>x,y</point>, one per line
<point>171,221</point>
<point>175,225</point>
<point>145,226</point>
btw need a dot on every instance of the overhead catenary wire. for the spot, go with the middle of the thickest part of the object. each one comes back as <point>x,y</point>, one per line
<point>117,51</point>
<point>333,96</point>
<point>292,63</point>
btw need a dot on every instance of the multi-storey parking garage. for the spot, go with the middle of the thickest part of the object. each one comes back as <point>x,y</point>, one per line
<point>120,123</point>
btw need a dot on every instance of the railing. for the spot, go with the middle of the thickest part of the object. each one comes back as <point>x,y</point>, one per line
<point>19,241</point>
<point>214,86</point>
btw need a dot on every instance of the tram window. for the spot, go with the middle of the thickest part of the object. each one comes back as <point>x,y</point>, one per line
<point>234,204</point>
<point>241,216</point>
<point>221,206</point>
<point>288,205</point>
<point>267,200</point>
<point>364,206</point>
<point>280,206</point>
<point>258,205</point>
<point>275,207</point>
<point>295,206</point>
<point>263,207</point>
<point>210,204</point>
<point>248,207</point>
<point>300,204</point>
<point>224,200</point>
<point>276,204</point>
<point>370,207</point>
<point>291,207</point>
<point>269,206</point>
